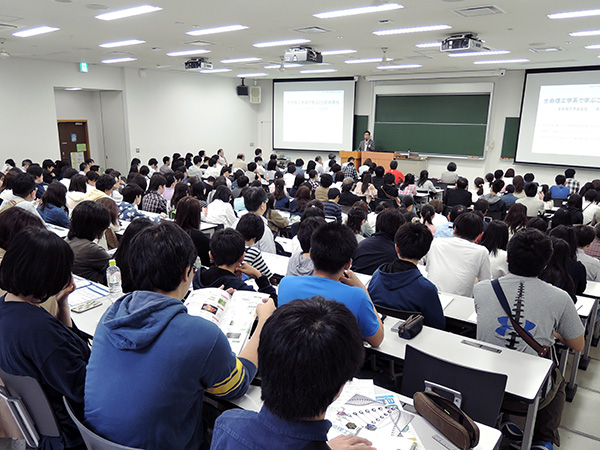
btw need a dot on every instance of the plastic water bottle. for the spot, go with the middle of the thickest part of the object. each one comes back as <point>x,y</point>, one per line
<point>113,277</point>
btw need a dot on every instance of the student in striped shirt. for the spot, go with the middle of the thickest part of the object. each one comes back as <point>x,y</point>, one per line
<point>252,229</point>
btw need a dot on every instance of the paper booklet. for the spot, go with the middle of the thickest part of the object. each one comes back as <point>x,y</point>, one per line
<point>234,314</point>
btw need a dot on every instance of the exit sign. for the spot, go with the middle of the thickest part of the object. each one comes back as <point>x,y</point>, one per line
<point>83,67</point>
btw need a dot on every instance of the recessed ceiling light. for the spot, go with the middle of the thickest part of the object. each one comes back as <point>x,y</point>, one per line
<point>240,60</point>
<point>365,60</point>
<point>574,14</point>
<point>215,70</point>
<point>216,30</point>
<point>197,51</point>
<point>360,10</point>
<point>503,61</point>
<point>286,66</point>
<point>135,11</point>
<point>399,66</point>
<point>284,42</point>
<point>593,47</point>
<point>250,75</point>
<point>122,43</point>
<point>73,89</point>
<point>491,52</point>
<point>118,60</point>
<point>337,52</point>
<point>411,30</point>
<point>429,45</point>
<point>35,31</point>
<point>585,33</point>
<point>318,71</point>
<point>96,7</point>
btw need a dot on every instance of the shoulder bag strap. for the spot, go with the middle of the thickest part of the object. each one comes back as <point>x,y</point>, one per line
<point>541,350</point>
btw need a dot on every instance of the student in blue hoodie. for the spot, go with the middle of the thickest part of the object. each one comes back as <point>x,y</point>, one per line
<point>152,361</point>
<point>400,284</point>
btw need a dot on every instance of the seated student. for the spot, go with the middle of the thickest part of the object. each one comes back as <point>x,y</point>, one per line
<point>282,201</point>
<point>122,253</point>
<point>575,268</point>
<point>347,197</point>
<point>574,208</point>
<point>77,190</point>
<point>303,197</point>
<point>150,332</point>
<point>459,195</point>
<point>290,175</point>
<point>557,271</point>
<point>227,252</point>
<point>535,206</point>
<point>427,212</point>
<point>356,219</point>
<point>408,187</point>
<point>252,228</point>
<point>276,222</point>
<point>571,182</point>
<point>497,207</point>
<point>454,265</point>
<point>219,210</point>
<point>300,263</point>
<point>593,249</point>
<point>33,343</point>
<point>38,176</point>
<point>88,222</point>
<point>298,181</point>
<point>378,177</point>
<point>189,212</point>
<point>446,230</point>
<point>495,239</point>
<point>323,189</point>
<point>253,173</point>
<point>255,201</point>
<point>399,284</point>
<point>132,197</point>
<point>153,201</point>
<point>109,239</point>
<point>313,179</point>
<point>509,195</point>
<point>590,210</point>
<point>90,178</point>
<point>167,193</point>
<point>104,188</point>
<point>450,176</point>
<point>398,176</point>
<point>23,194</point>
<point>53,206</point>
<point>331,250</point>
<point>242,182</point>
<point>331,207</point>
<point>388,190</point>
<point>349,170</point>
<point>439,218</point>
<point>516,219</point>
<point>545,311</point>
<point>307,346</point>
<point>560,190</point>
<point>378,249</point>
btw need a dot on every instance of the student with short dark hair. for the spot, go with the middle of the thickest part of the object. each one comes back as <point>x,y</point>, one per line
<point>379,248</point>
<point>88,223</point>
<point>188,217</point>
<point>534,205</point>
<point>166,167</point>
<point>53,207</point>
<point>398,176</point>
<point>388,190</point>
<point>459,195</point>
<point>300,263</point>
<point>322,191</point>
<point>153,201</point>
<point>308,346</point>
<point>542,309</point>
<point>150,332</point>
<point>497,206</point>
<point>255,201</point>
<point>560,190</point>
<point>122,254</point>
<point>132,197</point>
<point>450,176</point>
<point>454,265</point>
<point>33,343</point>
<point>331,250</point>
<point>104,186</point>
<point>399,284</point>
<point>38,175</point>
<point>331,207</point>
<point>252,228</point>
<point>585,236</point>
<point>538,223</point>
<point>23,194</point>
<point>571,182</point>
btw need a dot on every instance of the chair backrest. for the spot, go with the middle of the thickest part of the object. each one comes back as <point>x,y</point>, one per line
<point>558,202</point>
<point>91,439</point>
<point>392,312</point>
<point>482,392</point>
<point>391,203</point>
<point>30,392</point>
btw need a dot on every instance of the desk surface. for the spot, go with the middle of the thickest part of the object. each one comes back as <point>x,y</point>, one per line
<point>592,289</point>
<point>526,373</point>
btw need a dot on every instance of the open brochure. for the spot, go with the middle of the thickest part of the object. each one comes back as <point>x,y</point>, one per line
<point>234,314</point>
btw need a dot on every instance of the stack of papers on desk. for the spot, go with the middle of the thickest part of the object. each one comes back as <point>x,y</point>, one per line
<point>86,290</point>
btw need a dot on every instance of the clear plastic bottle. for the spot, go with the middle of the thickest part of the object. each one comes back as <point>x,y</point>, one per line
<point>113,278</point>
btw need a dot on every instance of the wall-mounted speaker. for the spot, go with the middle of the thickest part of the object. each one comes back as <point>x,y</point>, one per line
<point>255,95</point>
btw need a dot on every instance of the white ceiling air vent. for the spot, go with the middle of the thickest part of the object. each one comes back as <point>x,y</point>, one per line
<point>311,30</point>
<point>545,49</point>
<point>476,11</point>
<point>199,43</point>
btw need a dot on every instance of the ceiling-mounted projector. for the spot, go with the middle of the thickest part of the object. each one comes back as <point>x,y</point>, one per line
<point>302,55</point>
<point>198,63</point>
<point>463,42</point>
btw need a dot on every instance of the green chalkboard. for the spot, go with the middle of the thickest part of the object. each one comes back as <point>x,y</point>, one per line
<point>432,124</point>
<point>361,124</point>
<point>509,141</point>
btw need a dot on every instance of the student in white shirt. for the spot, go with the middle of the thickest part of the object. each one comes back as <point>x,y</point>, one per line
<point>220,211</point>
<point>495,239</point>
<point>585,236</point>
<point>455,264</point>
<point>590,208</point>
<point>319,168</point>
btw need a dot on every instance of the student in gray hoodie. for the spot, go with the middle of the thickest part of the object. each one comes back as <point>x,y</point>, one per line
<point>300,263</point>
<point>497,209</point>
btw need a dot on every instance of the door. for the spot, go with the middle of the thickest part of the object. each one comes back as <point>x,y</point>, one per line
<point>74,142</point>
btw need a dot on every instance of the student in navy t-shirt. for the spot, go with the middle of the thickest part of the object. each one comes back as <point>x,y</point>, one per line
<point>331,250</point>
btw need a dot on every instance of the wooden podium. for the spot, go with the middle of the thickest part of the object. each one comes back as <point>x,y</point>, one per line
<point>345,155</point>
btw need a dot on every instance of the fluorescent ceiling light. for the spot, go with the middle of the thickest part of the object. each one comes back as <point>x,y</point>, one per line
<point>135,11</point>
<point>574,14</point>
<point>240,60</point>
<point>412,30</point>
<point>188,52</point>
<point>318,71</point>
<point>73,89</point>
<point>286,66</point>
<point>216,30</point>
<point>35,31</point>
<point>491,52</point>
<point>215,70</point>
<point>118,60</point>
<point>365,60</point>
<point>503,61</point>
<point>593,47</point>
<point>285,42</point>
<point>585,33</point>
<point>248,75</point>
<point>360,10</point>
<point>122,43</point>
<point>399,66</point>
<point>337,52</point>
<point>429,45</point>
